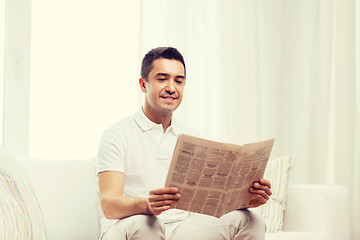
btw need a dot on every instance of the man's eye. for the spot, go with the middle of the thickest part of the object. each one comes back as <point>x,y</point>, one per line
<point>162,79</point>
<point>179,81</point>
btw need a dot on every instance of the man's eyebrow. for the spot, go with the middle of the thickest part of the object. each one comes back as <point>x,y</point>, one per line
<point>180,76</point>
<point>166,75</point>
<point>161,74</point>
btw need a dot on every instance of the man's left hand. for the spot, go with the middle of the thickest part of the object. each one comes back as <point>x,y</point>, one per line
<point>260,192</point>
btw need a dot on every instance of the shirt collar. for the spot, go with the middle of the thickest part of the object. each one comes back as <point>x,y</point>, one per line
<point>175,126</point>
<point>146,124</point>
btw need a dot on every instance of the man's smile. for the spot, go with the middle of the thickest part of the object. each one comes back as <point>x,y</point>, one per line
<point>169,98</point>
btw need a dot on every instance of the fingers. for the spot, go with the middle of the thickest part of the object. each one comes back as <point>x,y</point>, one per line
<point>162,203</point>
<point>260,194</point>
<point>166,193</point>
<point>261,188</point>
<point>164,190</point>
<point>154,198</point>
<point>265,182</point>
<point>158,210</point>
<point>161,199</point>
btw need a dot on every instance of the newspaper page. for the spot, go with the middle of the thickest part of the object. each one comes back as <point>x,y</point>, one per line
<point>214,178</point>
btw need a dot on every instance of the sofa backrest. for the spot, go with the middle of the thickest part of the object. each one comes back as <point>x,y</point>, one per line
<point>67,193</point>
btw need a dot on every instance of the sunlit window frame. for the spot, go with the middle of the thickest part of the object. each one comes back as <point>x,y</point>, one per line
<point>17,76</point>
<point>2,55</point>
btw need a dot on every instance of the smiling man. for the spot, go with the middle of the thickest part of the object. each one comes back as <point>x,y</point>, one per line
<point>133,160</point>
<point>163,88</point>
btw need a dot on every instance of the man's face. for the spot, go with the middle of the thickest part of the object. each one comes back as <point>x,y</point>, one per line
<point>164,88</point>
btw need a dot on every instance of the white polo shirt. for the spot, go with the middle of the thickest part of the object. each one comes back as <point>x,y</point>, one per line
<point>141,150</point>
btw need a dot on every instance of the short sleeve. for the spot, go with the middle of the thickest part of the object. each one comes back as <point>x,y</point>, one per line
<point>111,152</point>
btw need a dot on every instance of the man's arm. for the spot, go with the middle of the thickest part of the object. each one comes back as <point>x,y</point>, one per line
<point>115,205</point>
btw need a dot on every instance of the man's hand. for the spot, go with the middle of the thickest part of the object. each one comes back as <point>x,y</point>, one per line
<point>161,199</point>
<point>260,193</point>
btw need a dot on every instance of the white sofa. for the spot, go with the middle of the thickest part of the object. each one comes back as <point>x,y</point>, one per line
<point>67,193</point>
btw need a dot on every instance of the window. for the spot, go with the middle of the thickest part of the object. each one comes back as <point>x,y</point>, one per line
<point>84,73</point>
<point>2,57</point>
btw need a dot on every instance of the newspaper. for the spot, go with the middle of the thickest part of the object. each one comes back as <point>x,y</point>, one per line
<point>214,178</point>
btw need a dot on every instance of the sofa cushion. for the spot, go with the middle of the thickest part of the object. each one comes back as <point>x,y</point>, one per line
<point>277,172</point>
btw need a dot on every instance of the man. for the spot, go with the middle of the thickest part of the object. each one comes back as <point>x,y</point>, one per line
<point>133,160</point>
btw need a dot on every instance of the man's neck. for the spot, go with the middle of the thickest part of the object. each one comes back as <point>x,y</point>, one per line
<point>158,118</point>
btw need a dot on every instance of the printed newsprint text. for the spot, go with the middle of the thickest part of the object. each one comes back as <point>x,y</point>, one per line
<point>214,178</point>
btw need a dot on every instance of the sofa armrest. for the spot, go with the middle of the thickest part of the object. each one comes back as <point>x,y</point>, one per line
<point>319,209</point>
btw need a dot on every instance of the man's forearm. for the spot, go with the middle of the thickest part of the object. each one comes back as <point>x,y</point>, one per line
<point>115,207</point>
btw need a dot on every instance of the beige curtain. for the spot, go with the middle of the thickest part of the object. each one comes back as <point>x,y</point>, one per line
<point>279,68</point>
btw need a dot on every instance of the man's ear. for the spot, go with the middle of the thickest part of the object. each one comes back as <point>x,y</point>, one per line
<point>142,84</point>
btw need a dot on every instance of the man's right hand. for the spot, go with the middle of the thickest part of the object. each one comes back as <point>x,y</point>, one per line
<point>160,199</point>
<point>115,205</point>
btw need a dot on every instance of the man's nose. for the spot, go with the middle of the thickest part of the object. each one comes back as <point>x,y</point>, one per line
<point>170,86</point>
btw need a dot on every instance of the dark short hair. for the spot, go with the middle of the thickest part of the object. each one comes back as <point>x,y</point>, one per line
<point>156,53</point>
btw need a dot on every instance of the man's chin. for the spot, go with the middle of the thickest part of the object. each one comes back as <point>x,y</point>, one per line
<point>169,109</point>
